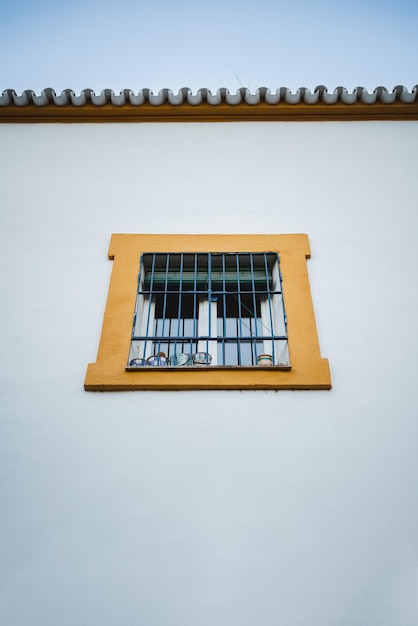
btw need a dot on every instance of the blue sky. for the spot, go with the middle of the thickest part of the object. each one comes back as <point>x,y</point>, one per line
<point>156,44</point>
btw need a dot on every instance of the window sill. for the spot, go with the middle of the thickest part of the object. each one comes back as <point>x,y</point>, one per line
<point>314,374</point>
<point>199,368</point>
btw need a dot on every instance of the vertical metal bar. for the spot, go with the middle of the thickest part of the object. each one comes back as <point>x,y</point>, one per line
<point>149,303</point>
<point>269,306</point>
<point>239,309</point>
<point>194,306</point>
<point>183,325</point>
<point>223,309</point>
<point>170,331</point>
<point>254,308</point>
<point>179,304</point>
<point>167,267</point>
<point>283,313</point>
<point>209,285</point>
<point>281,292</point>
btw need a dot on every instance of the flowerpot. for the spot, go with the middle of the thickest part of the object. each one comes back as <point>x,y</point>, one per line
<point>137,362</point>
<point>265,359</point>
<point>180,359</point>
<point>157,360</point>
<point>201,359</point>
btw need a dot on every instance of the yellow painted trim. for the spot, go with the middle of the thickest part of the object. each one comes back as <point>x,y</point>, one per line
<point>262,112</point>
<point>308,369</point>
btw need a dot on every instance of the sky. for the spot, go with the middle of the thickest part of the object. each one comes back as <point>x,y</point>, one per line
<point>134,44</point>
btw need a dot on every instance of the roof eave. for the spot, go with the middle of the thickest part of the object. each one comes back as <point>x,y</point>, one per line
<point>207,113</point>
<point>204,106</point>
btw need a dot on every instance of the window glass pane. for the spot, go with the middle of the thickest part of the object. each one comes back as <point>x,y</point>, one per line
<point>230,326</point>
<point>188,327</point>
<point>231,353</point>
<point>246,353</point>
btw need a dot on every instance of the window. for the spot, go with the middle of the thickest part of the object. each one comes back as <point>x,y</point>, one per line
<point>213,309</point>
<point>229,303</point>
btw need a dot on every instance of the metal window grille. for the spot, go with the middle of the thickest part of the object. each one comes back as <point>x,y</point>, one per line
<point>226,308</point>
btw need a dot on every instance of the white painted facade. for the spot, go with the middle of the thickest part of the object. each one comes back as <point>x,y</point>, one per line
<point>211,508</point>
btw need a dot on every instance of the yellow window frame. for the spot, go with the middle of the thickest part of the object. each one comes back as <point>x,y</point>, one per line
<point>308,369</point>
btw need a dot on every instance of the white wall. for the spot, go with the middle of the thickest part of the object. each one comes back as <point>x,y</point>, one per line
<point>209,508</point>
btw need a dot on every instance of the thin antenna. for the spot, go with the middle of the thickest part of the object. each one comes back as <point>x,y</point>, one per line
<point>238,79</point>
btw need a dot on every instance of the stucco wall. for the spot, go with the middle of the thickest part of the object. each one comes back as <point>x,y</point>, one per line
<point>210,508</point>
